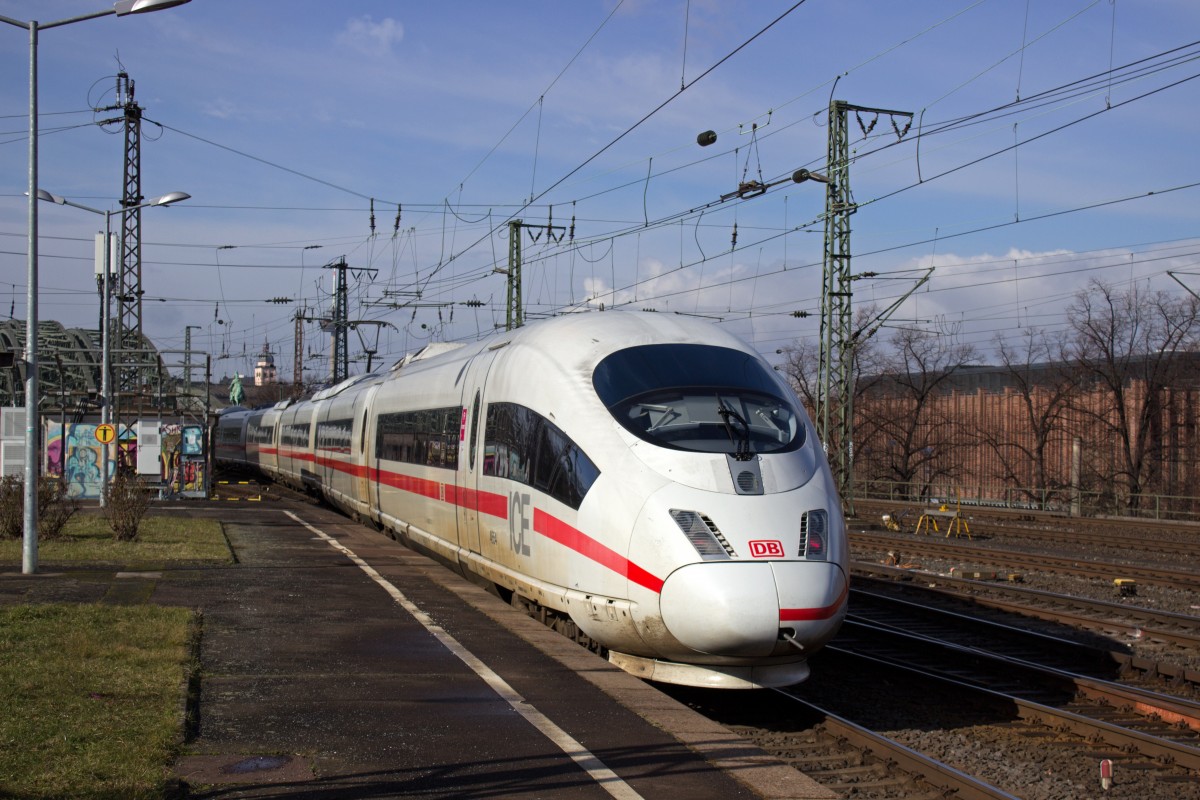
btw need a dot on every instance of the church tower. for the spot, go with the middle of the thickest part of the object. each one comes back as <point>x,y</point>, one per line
<point>264,370</point>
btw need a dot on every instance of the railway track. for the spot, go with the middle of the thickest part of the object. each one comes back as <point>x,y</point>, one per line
<point>1017,662</point>
<point>1119,623</point>
<point>984,728</point>
<point>913,701</point>
<point>886,727</point>
<point>839,754</point>
<point>1167,539</point>
<point>1007,560</point>
<point>954,720</point>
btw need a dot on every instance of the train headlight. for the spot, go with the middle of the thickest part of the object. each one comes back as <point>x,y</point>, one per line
<point>814,527</point>
<point>702,532</point>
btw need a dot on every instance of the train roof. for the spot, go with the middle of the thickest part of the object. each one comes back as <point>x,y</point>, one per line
<point>428,351</point>
<point>601,333</point>
<point>584,336</point>
<point>336,389</point>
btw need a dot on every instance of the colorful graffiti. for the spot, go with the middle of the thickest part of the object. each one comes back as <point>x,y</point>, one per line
<point>75,457</point>
<point>187,474</point>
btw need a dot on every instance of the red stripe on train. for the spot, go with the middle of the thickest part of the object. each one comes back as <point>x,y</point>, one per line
<point>813,614</point>
<point>554,528</point>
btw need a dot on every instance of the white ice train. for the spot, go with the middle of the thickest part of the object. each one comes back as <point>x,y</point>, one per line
<point>646,477</point>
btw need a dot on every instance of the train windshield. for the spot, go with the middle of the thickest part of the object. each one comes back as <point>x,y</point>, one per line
<point>700,398</point>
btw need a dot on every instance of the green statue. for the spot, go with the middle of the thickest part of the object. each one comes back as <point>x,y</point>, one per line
<point>236,395</point>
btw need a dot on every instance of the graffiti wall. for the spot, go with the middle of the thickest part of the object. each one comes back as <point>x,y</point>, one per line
<point>74,455</point>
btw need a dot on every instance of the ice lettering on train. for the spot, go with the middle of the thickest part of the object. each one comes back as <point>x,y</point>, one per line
<point>518,522</point>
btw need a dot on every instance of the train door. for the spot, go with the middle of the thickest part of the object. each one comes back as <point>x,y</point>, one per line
<point>470,446</point>
<point>366,468</point>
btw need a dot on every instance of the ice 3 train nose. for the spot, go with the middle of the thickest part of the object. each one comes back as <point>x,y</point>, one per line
<point>738,608</point>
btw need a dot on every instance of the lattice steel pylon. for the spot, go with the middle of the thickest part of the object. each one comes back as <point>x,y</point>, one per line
<point>133,366</point>
<point>339,328</point>
<point>514,316</point>
<point>129,285</point>
<point>298,350</point>
<point>835,394</point>
<point>515,310</point>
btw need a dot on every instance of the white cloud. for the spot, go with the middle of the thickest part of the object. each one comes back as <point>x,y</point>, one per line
<point>221,108</point>
<point>369,37</point>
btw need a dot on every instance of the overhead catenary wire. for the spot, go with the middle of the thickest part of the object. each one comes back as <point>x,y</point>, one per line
<point>698,216</point>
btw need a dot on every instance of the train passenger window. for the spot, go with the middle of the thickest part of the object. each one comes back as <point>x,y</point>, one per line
<point>335,435</point>
<point>295,435</point>
<point>428,437</point>
<point>524,446</point>
<point>259,433</point>
<point>700,398</point>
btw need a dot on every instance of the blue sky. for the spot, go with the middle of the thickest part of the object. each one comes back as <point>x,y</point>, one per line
<point>284,119</point>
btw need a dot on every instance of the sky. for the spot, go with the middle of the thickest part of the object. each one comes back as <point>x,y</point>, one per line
<point>1041,146</point>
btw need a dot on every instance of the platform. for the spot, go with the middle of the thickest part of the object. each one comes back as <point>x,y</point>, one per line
<point>337,663</point>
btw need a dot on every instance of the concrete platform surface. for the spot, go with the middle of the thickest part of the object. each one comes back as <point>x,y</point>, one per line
<point>336,663</point>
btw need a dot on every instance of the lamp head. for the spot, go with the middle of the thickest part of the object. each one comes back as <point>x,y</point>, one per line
<point>802,175</point>
<point>172,197</point>
<point>123,7</point>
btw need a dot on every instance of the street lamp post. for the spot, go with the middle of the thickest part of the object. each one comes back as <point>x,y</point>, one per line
<point>105,318</point>
<point>120,8</point>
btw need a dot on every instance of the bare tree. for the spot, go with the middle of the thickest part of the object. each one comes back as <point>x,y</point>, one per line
<point>1029,437</point>
<point>802,360</point>
<point>905,435</point>
<point>1133,350</point>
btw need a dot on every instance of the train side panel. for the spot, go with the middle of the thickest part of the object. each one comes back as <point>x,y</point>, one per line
<point>265,435</point>
<point>295,452</point>
<point>415,429</point>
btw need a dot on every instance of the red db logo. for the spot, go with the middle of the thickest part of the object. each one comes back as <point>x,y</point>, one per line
<point>766,548</point>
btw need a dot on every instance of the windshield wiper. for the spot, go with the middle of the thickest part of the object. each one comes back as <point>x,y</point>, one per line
<point>742,443</point>
<point>666,414</point>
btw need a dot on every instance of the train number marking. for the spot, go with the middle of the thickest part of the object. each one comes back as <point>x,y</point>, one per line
<point>766,548</point>
<point>518,522</point>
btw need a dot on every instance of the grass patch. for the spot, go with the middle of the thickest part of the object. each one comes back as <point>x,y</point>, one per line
<point>163,540</point>
<point>92,699</point>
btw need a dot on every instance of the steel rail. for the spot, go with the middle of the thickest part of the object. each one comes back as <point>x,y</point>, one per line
<point>1174,710</point>
<point>1150,622</point>
<point>942,776</point>
<point>1126,739</point>
<point>1041,562</point>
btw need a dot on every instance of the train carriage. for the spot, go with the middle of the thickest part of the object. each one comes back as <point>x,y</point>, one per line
<point>262,448</point>
<point>295,452</point>
<point>413,447</point>
<point>230,437</point>
<point>340,462</point>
